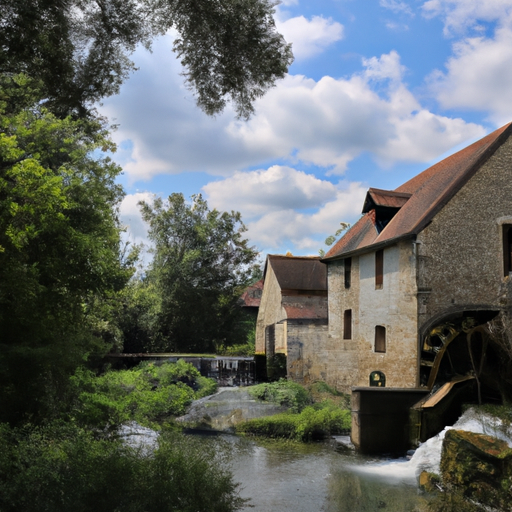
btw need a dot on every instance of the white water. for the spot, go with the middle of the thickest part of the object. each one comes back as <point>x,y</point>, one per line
<point>428,456</point>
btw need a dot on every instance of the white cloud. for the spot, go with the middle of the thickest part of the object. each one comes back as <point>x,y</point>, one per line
<point>131,218</point>
<point>397,7</point>
<point>326,123</point>
<point>461,15</point>
<point>478,75</point>
<point>307,231</point>
<point>309,37</point>
<point>262,191</point>
<point>330,122</point>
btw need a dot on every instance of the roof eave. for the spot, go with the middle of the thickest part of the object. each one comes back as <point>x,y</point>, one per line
<point>370,248</point>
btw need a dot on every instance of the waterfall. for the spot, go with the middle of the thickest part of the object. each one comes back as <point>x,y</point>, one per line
<point>428,456</point>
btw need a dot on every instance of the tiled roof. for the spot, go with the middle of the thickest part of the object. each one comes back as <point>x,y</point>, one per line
<point>384,198</point>
<point>430,191</point>
<point>298,272</point>
<point>251,297</point>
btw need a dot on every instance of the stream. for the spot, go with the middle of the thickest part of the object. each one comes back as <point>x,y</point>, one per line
<point>280,476</point>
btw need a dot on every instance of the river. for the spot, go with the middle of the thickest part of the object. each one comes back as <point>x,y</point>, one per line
<point>293,477</point>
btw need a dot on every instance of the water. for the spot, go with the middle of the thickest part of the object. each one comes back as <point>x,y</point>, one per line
<point>285,477</point>
<point>294,477</point>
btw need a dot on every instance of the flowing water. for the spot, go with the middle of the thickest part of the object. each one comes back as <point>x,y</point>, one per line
<point>294,477</point>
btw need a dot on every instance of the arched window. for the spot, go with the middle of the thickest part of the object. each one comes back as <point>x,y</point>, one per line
<point>380,338</point>
<point>377,379</point>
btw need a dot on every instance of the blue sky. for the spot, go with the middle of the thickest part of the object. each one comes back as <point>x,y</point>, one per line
<point>379,90</point>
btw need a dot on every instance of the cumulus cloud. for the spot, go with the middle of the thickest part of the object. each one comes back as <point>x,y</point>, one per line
<point>330,122</point>
<point>461,15</point>
<point>309,37</point>
<point>326,123</point>
<point>262,191</point>
<point>478,74</point>
<point>307,231</point>
<point>479,77</point>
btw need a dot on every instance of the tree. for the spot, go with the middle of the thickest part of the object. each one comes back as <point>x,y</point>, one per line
<point>80,48</point>
<point>201,265</point>
<point>59,246</point>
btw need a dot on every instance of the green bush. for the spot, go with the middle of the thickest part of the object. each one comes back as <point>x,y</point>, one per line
<point>62,468</point>
<point>314,422</point>
<point>282,392</point>
<point>147,394</point>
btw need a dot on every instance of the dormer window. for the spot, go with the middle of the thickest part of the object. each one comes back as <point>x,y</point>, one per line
<point>386,205</point>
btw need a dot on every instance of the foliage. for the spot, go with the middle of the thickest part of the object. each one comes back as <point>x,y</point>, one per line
<point>312,423</point>
<point>147,394</point>
<point>282,392</point>
<point>332,238</point>
<point>63,468</point>
<point>80,48</point>
<point>59,247</point>
<point>201,265</point>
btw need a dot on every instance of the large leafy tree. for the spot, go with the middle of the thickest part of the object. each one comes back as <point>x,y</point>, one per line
<point>80,49</point>
<point>201,265</point>
<point>59,246</point>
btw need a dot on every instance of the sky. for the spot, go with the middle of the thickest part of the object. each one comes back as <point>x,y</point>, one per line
<point>379,90</point>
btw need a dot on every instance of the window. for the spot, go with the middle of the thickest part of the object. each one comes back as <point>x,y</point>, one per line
<point>348,272</point>
<point>379,269</point>
<point>377,379</point>
<point>270,340</point>
<point>380,338</point>
<point>347,324</point>
<point>507,249</point>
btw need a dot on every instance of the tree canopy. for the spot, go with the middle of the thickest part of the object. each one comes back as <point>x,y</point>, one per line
<point>80,49</point>
<point>59,241</point>
<point>201,265</point>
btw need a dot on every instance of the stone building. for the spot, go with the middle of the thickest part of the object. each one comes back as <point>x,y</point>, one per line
<point>425,263</point>
<point>291,328</point>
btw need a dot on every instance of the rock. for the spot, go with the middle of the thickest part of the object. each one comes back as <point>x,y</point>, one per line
<point>479,466</point>
<point>429,482</point>
<point>226,409</point>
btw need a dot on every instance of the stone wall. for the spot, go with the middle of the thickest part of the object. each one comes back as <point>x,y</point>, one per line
<point>394,307</point>
<point>342,371</point>
<point>270,311</point>
<point>307,359</point>
<point>460,252</point>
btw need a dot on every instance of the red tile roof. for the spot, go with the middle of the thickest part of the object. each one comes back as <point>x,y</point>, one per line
<point>430,191</point>
<point>298,272</point>
<point>386,198</point>
<point>251,297</point>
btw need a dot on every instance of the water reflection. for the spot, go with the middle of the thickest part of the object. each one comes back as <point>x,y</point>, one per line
<point>286,477</point>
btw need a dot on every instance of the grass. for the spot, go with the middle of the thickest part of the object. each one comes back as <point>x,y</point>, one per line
<point>314,413</point>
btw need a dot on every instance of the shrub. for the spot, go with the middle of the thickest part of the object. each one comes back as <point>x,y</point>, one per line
<point>282,392</point>
<point>63,468</point>
<point>147,394</point>
<point>312,423</point>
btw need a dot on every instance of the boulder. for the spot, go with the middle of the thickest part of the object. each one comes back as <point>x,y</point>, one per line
<point>479,466</point>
